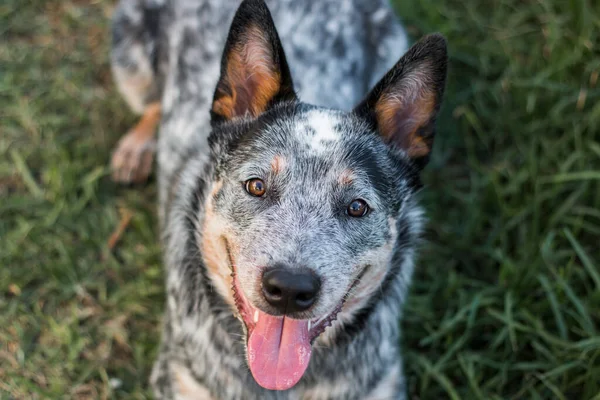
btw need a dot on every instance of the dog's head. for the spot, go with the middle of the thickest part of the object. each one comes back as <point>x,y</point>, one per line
<point>300,224</point>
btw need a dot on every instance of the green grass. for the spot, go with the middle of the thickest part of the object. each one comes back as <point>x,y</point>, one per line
<point>506,302</point>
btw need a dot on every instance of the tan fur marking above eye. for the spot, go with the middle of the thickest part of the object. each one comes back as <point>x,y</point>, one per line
<point>346,177</point>
<point>250,77</point>
<point>214,251</point>
<point>278,164</point>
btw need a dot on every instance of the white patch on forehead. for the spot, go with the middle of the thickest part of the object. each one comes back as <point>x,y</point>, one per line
<point>321,133</point>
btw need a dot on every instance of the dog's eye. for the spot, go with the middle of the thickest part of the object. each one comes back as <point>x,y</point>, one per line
<point>256,187</point>
<point>357,208</point>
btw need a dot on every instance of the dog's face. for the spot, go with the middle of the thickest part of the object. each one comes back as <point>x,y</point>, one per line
<point>300,222</point>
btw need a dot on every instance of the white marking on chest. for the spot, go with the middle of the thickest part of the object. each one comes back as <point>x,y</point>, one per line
<point>321,133</point>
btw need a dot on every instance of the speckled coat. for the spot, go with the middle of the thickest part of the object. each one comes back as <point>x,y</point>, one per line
<point>171,51</point>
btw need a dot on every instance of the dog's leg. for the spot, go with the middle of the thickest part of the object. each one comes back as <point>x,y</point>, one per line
<point>134,59</point>
<point>133,156</point>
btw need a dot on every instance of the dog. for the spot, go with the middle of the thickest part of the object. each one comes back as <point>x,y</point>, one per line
<point>288,226</point>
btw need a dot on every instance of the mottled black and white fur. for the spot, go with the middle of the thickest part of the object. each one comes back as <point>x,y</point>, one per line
<point>284,128</point>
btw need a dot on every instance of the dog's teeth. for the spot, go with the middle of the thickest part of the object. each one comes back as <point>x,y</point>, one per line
<point>309,322</point>
<point>256,316</point>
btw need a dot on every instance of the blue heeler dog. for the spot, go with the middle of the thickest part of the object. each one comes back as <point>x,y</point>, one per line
<point>289,228</point>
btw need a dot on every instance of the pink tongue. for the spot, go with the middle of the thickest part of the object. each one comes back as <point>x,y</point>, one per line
<point>278,351</point>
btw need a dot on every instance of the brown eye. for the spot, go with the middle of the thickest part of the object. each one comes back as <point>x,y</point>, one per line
<point>357,208</point>
<point>255,187</point>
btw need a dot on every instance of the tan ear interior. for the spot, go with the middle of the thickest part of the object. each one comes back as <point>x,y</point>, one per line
<point>251,78</point>
<point>400,120</point>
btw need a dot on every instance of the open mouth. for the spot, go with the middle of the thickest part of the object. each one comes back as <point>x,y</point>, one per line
<point>278,347</point>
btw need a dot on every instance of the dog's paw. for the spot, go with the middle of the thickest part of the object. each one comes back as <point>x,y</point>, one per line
<point>132,158</point>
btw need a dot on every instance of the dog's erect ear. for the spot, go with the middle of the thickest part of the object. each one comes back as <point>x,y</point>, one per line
<point>403,105</point>
<point>254,71</point>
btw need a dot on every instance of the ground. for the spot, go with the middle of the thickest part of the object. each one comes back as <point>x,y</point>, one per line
<point>506,302</point>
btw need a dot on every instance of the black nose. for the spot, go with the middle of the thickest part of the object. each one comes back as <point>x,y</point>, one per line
<point>290,290</point>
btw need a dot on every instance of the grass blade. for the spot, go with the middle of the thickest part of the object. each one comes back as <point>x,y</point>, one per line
<point>585,259</point>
